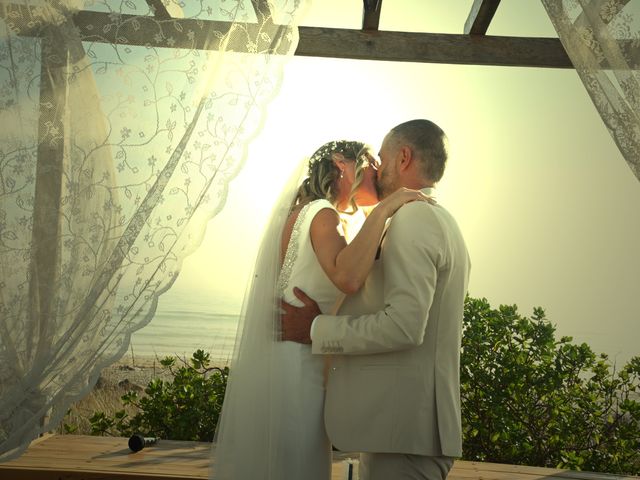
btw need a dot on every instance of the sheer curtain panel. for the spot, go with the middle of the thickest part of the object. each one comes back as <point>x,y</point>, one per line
<point>602,38</point>
<point>122,124</point>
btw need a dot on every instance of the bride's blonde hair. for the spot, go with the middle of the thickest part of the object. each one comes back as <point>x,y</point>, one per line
<point>323,173</point>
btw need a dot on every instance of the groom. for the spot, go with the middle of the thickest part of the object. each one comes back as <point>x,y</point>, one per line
<point>393,390</point>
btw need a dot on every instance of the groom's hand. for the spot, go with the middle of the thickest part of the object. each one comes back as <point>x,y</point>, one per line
<point>295,322</point>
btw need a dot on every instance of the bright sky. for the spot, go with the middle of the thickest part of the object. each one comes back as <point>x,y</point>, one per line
<point>545,200</point>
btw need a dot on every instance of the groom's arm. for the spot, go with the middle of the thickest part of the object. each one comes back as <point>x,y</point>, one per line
<point>295,322</point>
<point>411,256</point>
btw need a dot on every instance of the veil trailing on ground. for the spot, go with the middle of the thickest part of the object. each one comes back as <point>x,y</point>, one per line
<point>246,442</point>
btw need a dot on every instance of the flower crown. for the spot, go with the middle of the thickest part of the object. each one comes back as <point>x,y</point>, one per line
<point>336,146</point>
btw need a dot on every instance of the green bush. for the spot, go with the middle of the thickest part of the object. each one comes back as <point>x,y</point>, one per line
<point>186,408</point>
<point>530,399</point>
<point>527,398</point>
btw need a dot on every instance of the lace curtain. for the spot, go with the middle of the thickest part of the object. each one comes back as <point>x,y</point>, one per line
<point>602,38</point>
<point>122,124</point>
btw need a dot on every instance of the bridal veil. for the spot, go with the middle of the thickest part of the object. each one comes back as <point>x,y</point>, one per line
<point>246,445</point>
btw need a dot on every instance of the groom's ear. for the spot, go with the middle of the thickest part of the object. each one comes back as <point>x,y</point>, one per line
<point>406,157</point>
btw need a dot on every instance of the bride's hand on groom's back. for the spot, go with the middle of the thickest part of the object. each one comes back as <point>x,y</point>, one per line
<point>401,196</point>
<point>295,322</point>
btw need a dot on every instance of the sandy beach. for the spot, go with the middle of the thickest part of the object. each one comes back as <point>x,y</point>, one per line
<point>137,372</point>
<point>127,374</point>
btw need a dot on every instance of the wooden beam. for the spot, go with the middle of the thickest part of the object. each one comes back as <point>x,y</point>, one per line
<point>330,42</point>
<point>139,30</point>
<point>432,48</point>
<point>159,10</point>
<point>480,16</point>
<point>371,14</point>
<point>338,43</point>
<point>324,42</point>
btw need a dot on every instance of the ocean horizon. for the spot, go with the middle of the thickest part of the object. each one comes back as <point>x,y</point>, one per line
<point>185,322</point>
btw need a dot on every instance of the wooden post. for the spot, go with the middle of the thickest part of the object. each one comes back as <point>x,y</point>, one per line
<point>480,16</point>
<point>47,219</point>
<point>371,14</point>
<point>263,11</point>
<point>159,10</point>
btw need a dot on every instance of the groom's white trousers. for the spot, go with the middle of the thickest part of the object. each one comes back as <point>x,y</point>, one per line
<point>399,466</point>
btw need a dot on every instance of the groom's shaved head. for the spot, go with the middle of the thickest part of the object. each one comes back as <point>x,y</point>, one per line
<point>427,141</point>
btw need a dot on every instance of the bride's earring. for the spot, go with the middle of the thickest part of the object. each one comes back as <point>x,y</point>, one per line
<point>341,173</point>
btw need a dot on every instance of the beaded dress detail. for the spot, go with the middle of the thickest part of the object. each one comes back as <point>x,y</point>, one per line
<point>301,267</point>
<point>292,251</point>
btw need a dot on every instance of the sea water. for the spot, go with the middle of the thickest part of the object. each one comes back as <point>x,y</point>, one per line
<point>184,322</point>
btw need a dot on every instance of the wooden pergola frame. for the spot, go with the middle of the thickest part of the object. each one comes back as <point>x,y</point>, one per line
<point>473,47</point>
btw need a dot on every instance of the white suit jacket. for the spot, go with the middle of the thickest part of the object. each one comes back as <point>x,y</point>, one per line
<point>394,383</point>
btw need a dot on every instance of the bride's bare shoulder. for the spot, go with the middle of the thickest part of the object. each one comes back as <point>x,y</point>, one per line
<point>322,213</point>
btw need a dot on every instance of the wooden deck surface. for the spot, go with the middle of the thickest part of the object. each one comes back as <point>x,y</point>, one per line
<point>78,457</point>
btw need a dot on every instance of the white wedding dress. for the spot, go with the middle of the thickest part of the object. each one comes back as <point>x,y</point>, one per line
<point>302,372</point>
<point>272,424</point>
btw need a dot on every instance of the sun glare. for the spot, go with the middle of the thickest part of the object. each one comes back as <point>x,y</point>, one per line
<point>527,148</point>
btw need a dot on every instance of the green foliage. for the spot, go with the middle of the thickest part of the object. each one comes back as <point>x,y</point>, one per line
<point>186,408</point>
<point>530,399</point>
<point>527,398</point>
<point>69,428</point>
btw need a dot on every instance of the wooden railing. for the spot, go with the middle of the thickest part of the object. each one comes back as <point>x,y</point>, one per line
<point>78,457</point>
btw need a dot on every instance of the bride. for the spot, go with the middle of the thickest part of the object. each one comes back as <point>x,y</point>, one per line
<point>271,426</point>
